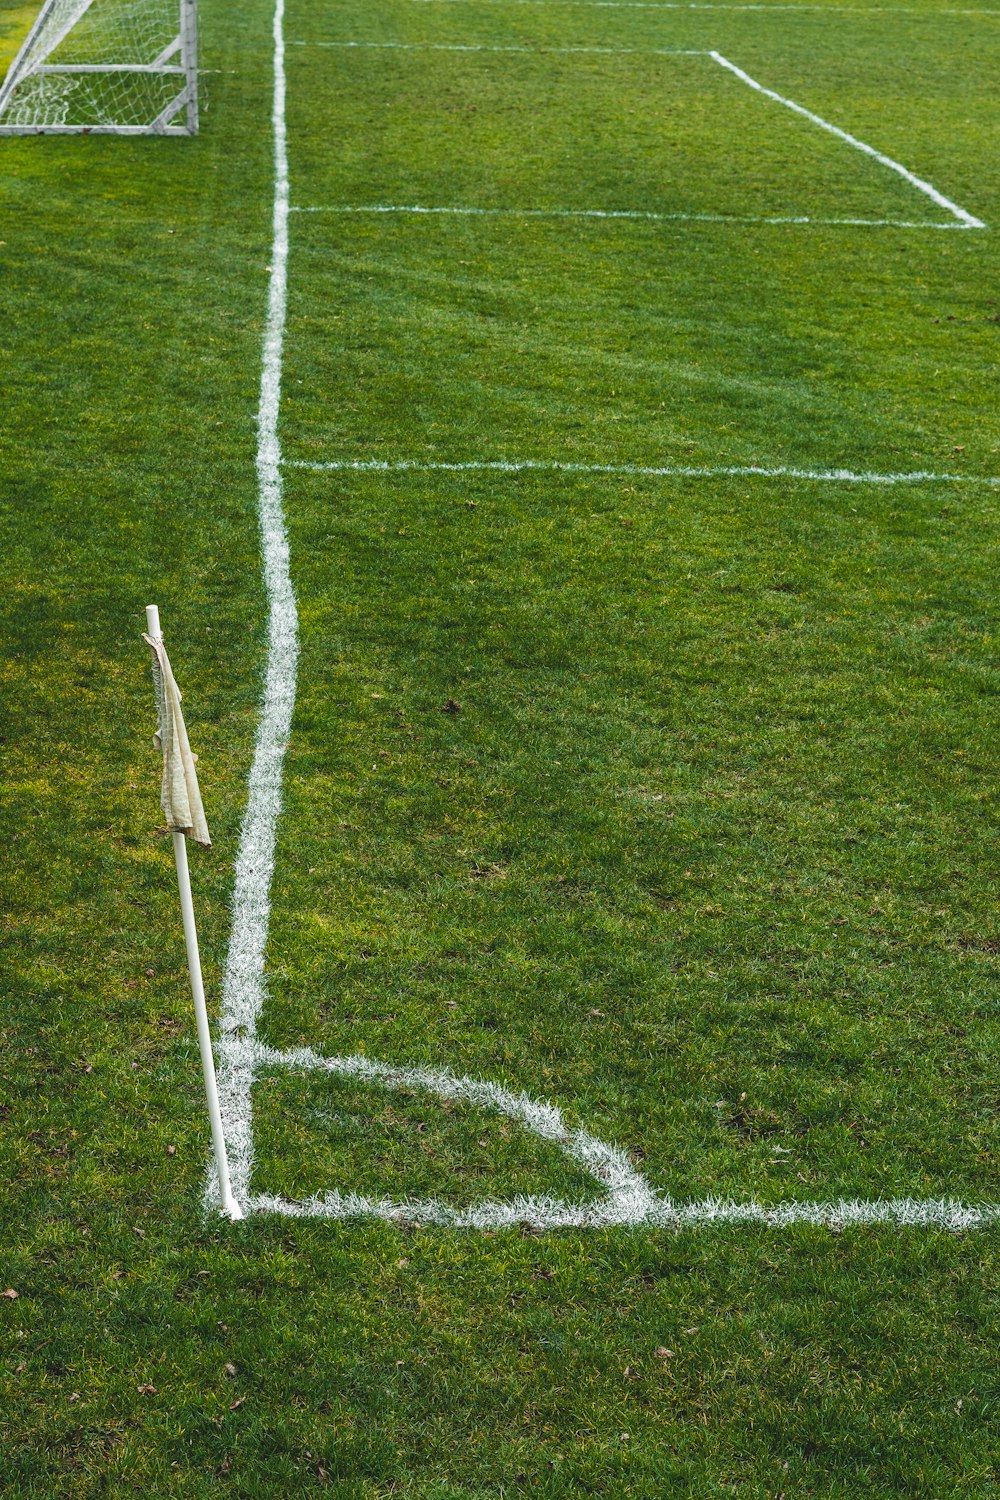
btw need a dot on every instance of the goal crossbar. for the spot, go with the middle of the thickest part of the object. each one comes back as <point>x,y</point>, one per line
<point>105,67</point>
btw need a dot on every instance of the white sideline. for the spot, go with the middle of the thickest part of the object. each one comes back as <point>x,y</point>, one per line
<point>886,161</point>
<point>639,214</point>
<point>657,471</point>
<point>243,985</point>
<point>626,1199</point>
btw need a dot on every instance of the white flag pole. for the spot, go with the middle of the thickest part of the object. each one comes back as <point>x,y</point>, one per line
<point>229,1203</point>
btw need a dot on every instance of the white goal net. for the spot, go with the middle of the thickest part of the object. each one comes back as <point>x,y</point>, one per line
<point>121,67</point>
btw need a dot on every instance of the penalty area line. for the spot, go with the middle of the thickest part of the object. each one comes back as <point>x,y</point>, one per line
<point>489,47</point>
<point>927,188</point>
<point>653,471</point>
<point>962,215</point>
<point>638,214</point>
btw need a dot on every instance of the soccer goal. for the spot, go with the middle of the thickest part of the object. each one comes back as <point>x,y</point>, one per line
<point>115,67</point>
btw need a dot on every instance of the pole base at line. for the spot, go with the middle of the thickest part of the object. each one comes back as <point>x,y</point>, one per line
<point>232,1210</point>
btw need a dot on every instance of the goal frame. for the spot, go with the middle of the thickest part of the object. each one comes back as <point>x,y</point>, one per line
<point>178,59</point>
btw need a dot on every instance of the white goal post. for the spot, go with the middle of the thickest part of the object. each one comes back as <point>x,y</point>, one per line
<point>111,67</point>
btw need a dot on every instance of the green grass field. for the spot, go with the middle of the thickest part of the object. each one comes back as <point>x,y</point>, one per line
<point>707,854</point>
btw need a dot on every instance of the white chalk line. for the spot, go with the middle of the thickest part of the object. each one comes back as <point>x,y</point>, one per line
<point>962,215</point>
<point>638,214</point>
<point>652,471</point>
<point>544,1214</point>
<point>852,140</point>
<point>487,47</point>
<point>626,1198</point>
<point>243,987</point>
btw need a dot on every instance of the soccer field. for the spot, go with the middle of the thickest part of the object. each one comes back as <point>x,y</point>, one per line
<point>560,436</point>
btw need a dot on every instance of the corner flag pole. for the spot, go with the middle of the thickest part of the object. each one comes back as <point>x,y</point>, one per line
<point>229,1203</point>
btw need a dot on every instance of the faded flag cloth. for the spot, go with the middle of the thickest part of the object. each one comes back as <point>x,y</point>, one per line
<point>179,794</point>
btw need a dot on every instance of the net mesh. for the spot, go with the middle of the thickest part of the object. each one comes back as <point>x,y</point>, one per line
<point>110,36</point>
